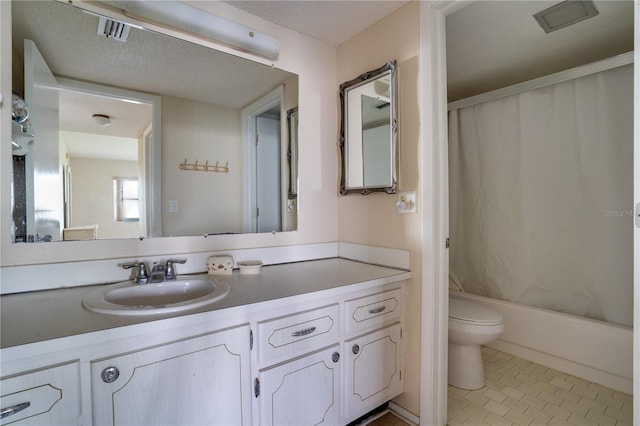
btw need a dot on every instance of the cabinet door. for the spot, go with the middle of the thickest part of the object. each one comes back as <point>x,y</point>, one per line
<point>203,380</point>
<point>46,397</point>
<point>373,370</point>
<point>304,391</point>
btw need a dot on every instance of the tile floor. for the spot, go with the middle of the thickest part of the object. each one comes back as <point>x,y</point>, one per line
<point>519,392</point>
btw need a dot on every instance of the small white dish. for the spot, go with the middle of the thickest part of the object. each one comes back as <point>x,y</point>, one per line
<point>249,267</point>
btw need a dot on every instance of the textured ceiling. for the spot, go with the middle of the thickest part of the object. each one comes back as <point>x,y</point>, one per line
<point>494,44</point>
<point>331,22</point>
<point>147,62</point>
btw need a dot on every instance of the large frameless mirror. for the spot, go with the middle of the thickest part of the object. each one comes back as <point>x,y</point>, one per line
<point>369,132</point>
<point>141,135</point>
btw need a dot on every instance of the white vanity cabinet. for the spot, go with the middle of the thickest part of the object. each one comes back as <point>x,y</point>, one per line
<point>50,396</point>
<point>281,352</point>
<point>374,351</point>
<point>332,364</point>
<point>197,381</point>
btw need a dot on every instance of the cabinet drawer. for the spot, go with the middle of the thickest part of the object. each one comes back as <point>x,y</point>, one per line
<point>373,310</point>
<point>50,396</point>
<point>297,333</point>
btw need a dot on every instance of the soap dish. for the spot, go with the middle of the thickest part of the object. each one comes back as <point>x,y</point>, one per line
<point>248,267</point>
<point>221,264</point>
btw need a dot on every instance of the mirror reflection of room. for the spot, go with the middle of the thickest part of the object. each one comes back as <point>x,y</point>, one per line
<point>369,132</point>
<point>112,120</point>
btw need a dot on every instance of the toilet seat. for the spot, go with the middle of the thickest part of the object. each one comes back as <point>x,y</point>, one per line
<point>462,310</point>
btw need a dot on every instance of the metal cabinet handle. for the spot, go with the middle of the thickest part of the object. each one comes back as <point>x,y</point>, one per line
<point>377,310</point>
<point>355,349</point>
<point>335,357</point>
<point>9,411</point>
<point>303,332</point>
<point>110,374</point>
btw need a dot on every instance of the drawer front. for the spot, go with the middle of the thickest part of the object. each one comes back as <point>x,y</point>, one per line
<point>50,397</point>
<point>297,333</point>
<point>373,310</point>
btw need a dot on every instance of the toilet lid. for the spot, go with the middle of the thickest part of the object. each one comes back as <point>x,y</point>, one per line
<point>472,312</point>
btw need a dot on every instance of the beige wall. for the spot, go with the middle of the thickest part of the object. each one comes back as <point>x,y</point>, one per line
<point>373,219</point>
<point>207,201</point>
<point>92,195</point>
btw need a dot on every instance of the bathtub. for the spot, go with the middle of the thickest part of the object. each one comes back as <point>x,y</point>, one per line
<point>592,350</point>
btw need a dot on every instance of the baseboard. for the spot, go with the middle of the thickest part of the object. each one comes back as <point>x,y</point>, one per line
<point>404,415</point>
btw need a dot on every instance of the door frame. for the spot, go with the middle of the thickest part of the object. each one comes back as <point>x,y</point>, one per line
<point>249,115</point>
<point>151,151</point>
<point>435,219</point>
<point>636,203</point>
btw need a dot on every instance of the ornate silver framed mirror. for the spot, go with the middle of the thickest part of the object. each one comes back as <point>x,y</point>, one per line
<point>369,132</point>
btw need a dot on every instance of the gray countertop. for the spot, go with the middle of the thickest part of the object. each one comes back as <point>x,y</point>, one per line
<point>44,315</point>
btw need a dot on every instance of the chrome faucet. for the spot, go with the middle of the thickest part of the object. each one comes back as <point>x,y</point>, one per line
<point>157,273</point>
<point>170,269</point>
<point>141,276</point>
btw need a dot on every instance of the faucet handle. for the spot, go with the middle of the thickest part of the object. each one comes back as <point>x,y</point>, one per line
<point>141,274</point>
<point>170,270</point>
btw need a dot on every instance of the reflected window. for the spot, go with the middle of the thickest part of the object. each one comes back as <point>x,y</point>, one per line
<point>126,202</point>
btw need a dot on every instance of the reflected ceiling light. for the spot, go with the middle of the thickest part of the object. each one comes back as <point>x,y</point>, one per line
<point>198,21</point>
<point>101,120</point>
<point>563,14</point>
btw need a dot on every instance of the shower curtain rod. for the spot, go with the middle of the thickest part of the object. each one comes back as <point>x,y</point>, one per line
<point>547,80</point>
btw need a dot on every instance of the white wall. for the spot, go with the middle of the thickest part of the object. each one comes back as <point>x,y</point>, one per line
<point>92,195</point>
<point>313,61</point>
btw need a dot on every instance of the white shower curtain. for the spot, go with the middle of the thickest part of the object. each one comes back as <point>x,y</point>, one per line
<point>541,197</point>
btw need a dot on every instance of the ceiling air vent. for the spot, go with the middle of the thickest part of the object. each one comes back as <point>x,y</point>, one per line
<point>113,29</point>
<point>564,14</point>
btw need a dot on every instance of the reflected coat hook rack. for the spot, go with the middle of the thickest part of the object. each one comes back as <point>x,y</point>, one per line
<point>195,167</point>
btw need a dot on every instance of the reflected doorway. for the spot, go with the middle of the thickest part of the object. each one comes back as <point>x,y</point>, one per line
<point>262,141</point>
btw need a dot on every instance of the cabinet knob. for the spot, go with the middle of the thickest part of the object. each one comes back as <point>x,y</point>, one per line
<point>355,349</point>
<point>335,357</point>
<point>110,374</point>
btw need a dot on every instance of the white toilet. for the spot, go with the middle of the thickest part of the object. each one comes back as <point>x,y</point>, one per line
<point>470,325</point>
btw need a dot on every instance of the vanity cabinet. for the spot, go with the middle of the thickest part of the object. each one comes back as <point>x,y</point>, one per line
<point>290,349</point>
<point>197,381</point>
<point>50,396</point>
<point>373,351</point>
<point>331,364</point>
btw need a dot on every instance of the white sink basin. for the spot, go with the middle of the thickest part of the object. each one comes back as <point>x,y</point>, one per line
<point>129,298</point>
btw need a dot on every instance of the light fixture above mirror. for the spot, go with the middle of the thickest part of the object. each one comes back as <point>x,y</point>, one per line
<point>197,21</point>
